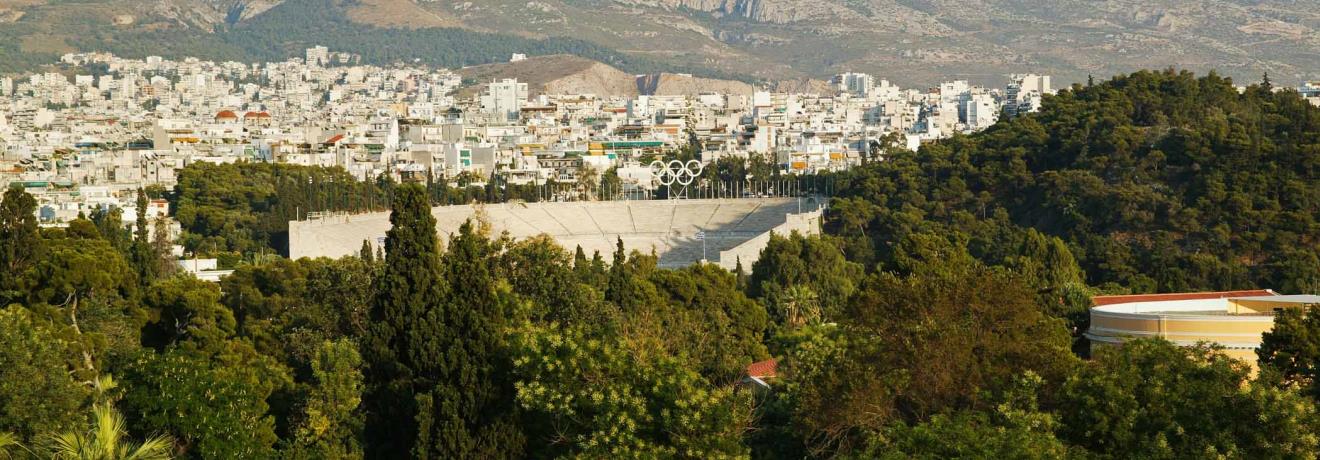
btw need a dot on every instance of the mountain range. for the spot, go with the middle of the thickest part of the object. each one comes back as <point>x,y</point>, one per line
<point>911,42</point>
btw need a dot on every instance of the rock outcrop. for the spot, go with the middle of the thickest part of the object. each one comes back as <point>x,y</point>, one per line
<point>769,11</point>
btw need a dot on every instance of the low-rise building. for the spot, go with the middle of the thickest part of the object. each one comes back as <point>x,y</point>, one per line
<point>1234,320</point>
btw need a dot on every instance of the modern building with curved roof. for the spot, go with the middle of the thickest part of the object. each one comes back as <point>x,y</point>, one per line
<point>1232,319</point>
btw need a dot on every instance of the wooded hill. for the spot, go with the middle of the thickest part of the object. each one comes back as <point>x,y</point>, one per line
<point>1157,181</point>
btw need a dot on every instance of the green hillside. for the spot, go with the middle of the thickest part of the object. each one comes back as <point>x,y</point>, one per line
<point>1156,181</point>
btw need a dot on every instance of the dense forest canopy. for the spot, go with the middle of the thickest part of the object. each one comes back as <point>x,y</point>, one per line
<point>938,317</point>
<point>1156,181</point>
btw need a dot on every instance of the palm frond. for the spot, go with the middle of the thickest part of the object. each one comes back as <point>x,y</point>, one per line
<point>154,448</point>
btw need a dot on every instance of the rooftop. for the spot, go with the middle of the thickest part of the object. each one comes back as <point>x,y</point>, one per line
<point>1256,303</point>
<point>1103,300</point>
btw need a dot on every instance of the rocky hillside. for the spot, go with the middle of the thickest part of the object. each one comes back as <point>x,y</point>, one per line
<point>558,74</point>
<point>919,41</point>
<point>910,42</point>
<point>564,74</point>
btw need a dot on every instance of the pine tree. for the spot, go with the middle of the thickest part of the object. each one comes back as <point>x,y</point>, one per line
<point>409,292</point>
<point>109,222</point>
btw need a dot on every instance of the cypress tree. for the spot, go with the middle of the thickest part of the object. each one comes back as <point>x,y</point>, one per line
<point>20,240</point>
<point>580,258</point>
<point>616,290</point>
<point>741,275</point>
<point>365,253</point>
<point>473,394</point>
<point>144,258</point>
<point>581,266</point>
<point>409,292</point>
<point>598,272</point>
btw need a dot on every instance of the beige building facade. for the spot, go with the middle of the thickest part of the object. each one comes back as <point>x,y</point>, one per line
<point>1232,319</point>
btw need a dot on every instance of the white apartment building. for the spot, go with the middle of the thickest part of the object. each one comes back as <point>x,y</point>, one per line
<point>504,97</point>
<point>857,84</point>
<point>1024,92</point>
<point>981,111</point>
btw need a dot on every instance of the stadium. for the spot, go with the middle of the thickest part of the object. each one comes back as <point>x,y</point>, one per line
<point>680,232</point>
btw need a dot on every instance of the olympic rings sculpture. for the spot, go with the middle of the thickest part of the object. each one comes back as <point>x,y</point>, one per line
<point>676,171</point>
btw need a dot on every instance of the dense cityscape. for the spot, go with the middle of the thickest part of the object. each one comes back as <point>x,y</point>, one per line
<point>321,258</point>
<point>128,124</point>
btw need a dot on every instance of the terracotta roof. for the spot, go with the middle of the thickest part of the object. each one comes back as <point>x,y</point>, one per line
<point>226,114</point>
<point>763,369</point>
<point>334,139</point>
<point>1102,300</point>
<point>256,115</point>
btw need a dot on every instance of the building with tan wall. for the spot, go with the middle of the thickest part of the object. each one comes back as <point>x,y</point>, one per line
<point>1232,319</point>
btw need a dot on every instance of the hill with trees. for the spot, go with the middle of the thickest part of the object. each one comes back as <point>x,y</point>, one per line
<point>1155,182</point>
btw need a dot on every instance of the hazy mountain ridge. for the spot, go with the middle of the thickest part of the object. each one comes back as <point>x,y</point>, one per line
<point>916,41</point>
<point>911,42</point>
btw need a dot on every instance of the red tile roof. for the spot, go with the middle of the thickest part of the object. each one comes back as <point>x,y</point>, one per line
<point>226,114</point>
<point>763,369</point>
<point>1102,300</point>
<point>332,140</point>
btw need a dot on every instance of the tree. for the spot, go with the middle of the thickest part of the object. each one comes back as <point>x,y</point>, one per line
<point>538,270</point>
<point>287,308</point>
<point>214,405</point>
<point>1154,399</point>
<point>163,248</point>
<point>471,393</point>
<point>798,306</point>
<point>20,241</point>
<point>405,317</point>
<point>188,311</point>
<point>813,262</point>
<point>245,208</point>
<point>981,323</point>
<point>611,185</point>
<point>1292,348</point>
<point>87,288</point>
<point>593,398</point>
<point>107,439</point>
<point>330,425</point>
<point>1151,180</point>
<point>698,312</point>
<point>9,444</point>
<point>588,183</point>
<point>365,253</point>
<point>144,257</point>
<point>110,223</point>
<point>1014,429</point>
<point>37,392</point>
